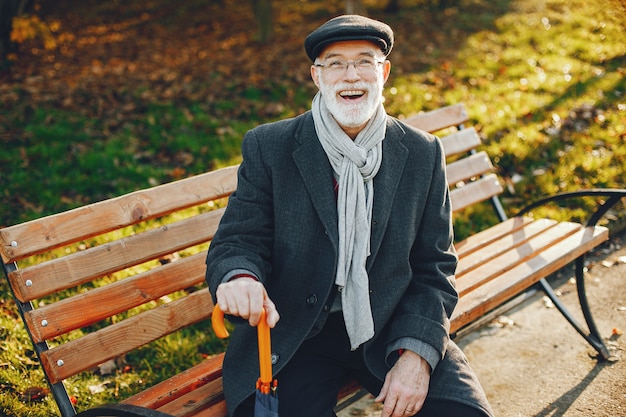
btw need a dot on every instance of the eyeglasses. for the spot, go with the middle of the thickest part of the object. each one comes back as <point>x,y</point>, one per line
<point>339,66</point>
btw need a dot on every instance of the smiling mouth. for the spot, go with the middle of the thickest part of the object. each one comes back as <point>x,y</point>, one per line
<point>351,94</point>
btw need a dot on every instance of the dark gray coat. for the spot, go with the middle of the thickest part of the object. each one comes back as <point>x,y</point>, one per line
<point>281,224</point>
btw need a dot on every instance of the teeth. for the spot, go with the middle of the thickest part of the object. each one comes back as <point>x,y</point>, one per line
<point>352,93</point>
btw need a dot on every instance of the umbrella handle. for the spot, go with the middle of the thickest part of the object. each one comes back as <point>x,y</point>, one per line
<point>217,321</point>
<point>265,345</point>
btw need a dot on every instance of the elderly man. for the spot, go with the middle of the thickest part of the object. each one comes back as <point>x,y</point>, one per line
<point>340,229</point>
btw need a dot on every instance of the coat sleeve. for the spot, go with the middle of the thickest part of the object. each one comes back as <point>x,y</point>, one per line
<point>244,238</point>
<point>424,310</point>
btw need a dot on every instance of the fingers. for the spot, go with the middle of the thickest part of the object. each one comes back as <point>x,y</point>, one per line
<point>405,387</point>
<point>383,392</point>
<point>246,297</point>
<point>396,399</point>
<point>242,297</point>
<point>271,312</point>
<point>400,407</point>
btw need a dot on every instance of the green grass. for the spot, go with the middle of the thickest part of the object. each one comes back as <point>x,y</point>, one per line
<point>543,81</point>
<point>64,160</point>
<point>545,85</point>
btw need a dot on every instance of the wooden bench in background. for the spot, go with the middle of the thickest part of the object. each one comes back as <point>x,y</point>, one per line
<point>127,273</point>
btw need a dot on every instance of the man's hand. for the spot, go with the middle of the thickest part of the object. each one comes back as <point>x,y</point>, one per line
<point>246,297</point>
<point>405,387</point>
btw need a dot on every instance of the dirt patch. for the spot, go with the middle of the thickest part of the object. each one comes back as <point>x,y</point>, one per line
<point>531,362</point>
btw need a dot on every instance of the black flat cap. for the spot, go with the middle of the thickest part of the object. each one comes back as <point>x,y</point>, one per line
<point>349,28</point>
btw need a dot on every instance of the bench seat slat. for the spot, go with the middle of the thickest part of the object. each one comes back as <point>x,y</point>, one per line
<point>122,337</point>
<point>475,192</point>
<point>195,400</point>
<point>460,142</point>
<point>115,298</point>
<point>439,119</point>
<point>81,223</point>
<point>510,283</point>
<point>506,242</point>
<point>217,409</point>
<point>467,168</point>
<point>493,233</point>
<point>157,396</point>
<point>514,256</point>
<point>85,266</point>
<point>180,384</point>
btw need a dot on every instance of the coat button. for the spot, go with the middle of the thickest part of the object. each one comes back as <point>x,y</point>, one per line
<point>275,358</point>
<point>326,307</point>
<point>311,299</point>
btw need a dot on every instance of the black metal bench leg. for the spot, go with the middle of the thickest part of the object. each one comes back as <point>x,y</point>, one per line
<point>593,336</point>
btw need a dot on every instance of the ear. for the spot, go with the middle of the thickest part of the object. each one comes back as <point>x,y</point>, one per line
<point>315,75</point>
<point>386,69</point>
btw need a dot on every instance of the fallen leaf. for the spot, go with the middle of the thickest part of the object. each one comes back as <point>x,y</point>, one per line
<point>108,367</point>
<point>34,394</point>
<point>547,302</point>
<point>98,388</point>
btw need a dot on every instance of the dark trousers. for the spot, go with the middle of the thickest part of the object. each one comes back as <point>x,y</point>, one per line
<point>308,385</point>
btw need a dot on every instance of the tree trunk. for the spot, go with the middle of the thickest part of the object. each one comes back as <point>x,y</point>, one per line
<point>393,6</point>
<point>355,7</point>
<point>264,15</point>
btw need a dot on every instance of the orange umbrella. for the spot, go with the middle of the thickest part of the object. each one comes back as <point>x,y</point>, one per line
<point>266,399</point>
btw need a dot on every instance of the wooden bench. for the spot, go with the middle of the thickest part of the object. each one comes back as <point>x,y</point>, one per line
<point>126,265</point>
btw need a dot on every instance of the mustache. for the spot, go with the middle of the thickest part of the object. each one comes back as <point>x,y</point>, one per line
<point>359,85</point>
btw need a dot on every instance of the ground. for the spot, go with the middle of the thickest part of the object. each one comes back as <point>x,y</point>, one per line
<point>531,362</point>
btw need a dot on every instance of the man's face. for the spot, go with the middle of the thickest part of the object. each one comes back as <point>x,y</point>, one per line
<point>353,92</point>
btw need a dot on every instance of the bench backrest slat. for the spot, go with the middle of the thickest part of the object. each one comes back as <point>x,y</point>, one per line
<point>468,168</point>
<point>474,192</point>
<point>439,119</point>
<point>119,338</point>
<point>103,302</point>
<point>85,266</point>
<point>38,235</point>
<point>460,142</point>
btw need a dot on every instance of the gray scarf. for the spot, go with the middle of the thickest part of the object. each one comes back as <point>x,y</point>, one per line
<point>355,163</point>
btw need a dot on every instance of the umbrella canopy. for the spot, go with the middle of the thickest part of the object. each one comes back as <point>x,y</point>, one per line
<point>266,404</point>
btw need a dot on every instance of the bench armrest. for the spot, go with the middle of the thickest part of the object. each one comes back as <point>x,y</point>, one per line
<point>613,195</point>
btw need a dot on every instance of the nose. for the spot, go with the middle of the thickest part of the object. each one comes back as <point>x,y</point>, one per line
<point>351,72</point>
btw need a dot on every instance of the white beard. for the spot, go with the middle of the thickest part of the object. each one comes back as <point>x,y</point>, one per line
<point>352,114</point>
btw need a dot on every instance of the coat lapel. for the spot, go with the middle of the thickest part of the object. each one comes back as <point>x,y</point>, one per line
<point>317,175</point>
<point>386,183</point>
